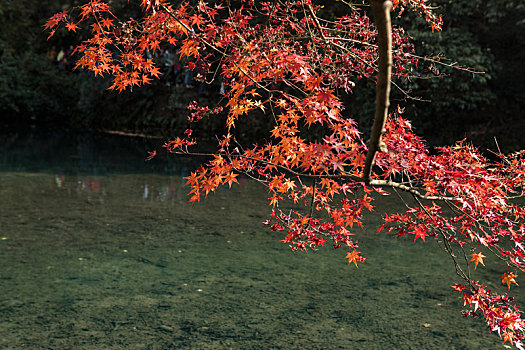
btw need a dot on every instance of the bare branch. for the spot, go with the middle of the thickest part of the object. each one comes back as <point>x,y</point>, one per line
<point>410,189</point>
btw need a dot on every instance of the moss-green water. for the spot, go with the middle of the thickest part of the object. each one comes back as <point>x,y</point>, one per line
<point>98,262</point>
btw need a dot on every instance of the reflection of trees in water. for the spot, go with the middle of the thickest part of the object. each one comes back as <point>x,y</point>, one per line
<point>162,193</point>
<point>167,189</point>
<point>86,163</point>
<point>87,153</point>
<point>144,186</point>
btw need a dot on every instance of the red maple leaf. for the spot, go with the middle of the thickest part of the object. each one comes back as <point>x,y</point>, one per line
<point>151,155</point>
<point>420,231</point>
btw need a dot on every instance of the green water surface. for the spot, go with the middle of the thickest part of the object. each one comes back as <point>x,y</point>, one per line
<point>99,250</point>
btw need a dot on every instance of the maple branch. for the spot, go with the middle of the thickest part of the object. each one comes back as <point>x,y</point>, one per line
<point>284,168</point>
<point>316,21</point>
<point>498,255</point>
<point>450,250</point>
<point>213,47</point>
<point>381,10</point>
<point>332,41</point>
<point>407,95</point>
<point>97,21</point>
<point>378,183</point>
<point>313,198</point>
<point>352,6</point>
<point>131,134</point>
<point>410,189</point>
<point>450,65</point>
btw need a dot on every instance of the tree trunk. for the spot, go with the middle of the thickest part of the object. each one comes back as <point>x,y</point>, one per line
<point>381,10</point>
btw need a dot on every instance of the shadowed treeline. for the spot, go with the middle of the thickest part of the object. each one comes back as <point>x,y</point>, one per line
<point>38,87</point>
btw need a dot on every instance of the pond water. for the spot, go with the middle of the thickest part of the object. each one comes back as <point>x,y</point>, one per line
<point>99,250</point>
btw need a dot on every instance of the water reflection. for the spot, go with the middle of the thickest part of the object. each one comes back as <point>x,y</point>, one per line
<point>161,190</point>
<point>84,184</point>
<point>83,163</point>
<point>161,194</point>
<point>88,154</point>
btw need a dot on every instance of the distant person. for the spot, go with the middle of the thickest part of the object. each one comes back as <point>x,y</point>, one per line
<point>188,75</point>
<point>61,59</point>
<point>52,53</point>
<point>177,70</point>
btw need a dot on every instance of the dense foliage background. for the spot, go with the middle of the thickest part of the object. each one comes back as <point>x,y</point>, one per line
<point>35,89</point>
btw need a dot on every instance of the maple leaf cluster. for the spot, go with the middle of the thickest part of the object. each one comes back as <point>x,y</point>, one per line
<point>281,60</point>
<point>500,315</point>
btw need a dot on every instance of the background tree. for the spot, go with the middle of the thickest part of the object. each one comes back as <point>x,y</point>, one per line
<point>32,89</point>
<point>483,35</point>
<point>281,60</point>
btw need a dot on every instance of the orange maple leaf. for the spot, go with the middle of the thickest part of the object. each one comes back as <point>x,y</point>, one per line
<point>189,48</point>
<point>197,20</point>
<point>508,336</point>
<point>290,184</point>
<point>71,26</point>
<point>55,20</point>
<point>195,198</point>
<point>154,72</point>
<point>146,79</point>
<point>354,257</point>
<point>106,22</point>
<point>274,200</point>
<point>477,258</point>
<point>231,178</point>
<point>508,278</point>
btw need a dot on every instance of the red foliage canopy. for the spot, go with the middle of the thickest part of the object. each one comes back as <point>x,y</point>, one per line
<point>280,59</point>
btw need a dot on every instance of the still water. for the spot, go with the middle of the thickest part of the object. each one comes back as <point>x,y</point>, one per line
<point>99,250</point>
